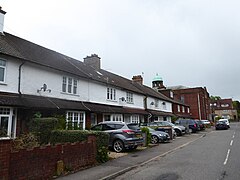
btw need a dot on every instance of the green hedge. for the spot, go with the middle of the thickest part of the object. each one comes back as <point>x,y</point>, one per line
<point>102,139</point>
<point>148,135</point>
<point>42,127</point>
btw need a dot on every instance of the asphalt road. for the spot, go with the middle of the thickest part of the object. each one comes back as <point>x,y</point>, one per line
<point>213,157</point>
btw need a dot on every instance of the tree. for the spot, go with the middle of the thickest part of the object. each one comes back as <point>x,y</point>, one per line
<point>215,98</point>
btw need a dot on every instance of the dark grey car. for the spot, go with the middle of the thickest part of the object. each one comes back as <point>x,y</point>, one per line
<point>122,136</point>
<point>158,136</point>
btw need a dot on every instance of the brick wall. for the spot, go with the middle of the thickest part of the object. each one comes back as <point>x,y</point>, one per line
<point>41,162</point>
<point>5,146</point>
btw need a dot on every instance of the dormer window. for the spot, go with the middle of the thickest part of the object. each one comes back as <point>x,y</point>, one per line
<point>2,70</point>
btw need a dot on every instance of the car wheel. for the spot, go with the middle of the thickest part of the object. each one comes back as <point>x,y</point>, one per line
<point>178,132</point>
<point>154,139</point>
<point>118,146</point>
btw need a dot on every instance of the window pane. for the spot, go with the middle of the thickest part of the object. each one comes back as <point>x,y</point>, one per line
<point>2,62</point>
<point>75,86</point>
<point>2,74</point>
<point>69,85</point>
<point>64,84</point>
<point>4,126</point>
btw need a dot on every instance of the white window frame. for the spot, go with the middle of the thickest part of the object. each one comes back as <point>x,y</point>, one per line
<point>156,103</point>
<point>178,108</point>
<point>4,67</point>
<point>69,85</point>
<point>76,116</point>
<point>12,121</point>
<point>135,119</point>
<point>111,94</point>
<point>183,109</point>
<point>164,105</point>
<point>113,117</point>
<point>129,97</point>
<point>188,110</point>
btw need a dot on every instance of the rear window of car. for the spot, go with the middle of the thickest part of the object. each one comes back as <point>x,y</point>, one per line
<point>133,126</point>
<point>118,126</point>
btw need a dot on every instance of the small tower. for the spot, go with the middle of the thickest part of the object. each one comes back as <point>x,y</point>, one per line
<point>157,83</point>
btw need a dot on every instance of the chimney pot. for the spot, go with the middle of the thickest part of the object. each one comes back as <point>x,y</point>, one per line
<point>2,13</point>
<point>93,60</point>
<point>138,79</point>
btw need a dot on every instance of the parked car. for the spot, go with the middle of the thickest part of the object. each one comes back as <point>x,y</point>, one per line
<point>157,126</point>
<point>193,126</point>
<point>221,125</point>
<point>226,121</point>
<point>206,123</point>
<point>201,126</point>
<point>180,130</point>
<point>158,136</point>
<point>121,135</point>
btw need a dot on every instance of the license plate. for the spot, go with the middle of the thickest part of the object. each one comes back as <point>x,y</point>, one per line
<point>139,135</point>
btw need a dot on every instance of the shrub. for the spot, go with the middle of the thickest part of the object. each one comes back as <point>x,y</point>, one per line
<point>42,127</point>
<point>25,141</point>
<point>102,139</point>
<point>63,136</point>
<point>148,135</point>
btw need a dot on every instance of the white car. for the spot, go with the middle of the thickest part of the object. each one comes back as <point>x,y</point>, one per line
<point>226,121</point>
<point>206,122</point>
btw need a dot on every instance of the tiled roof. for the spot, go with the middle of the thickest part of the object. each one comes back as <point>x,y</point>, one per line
<point>40,102</point>
<point>30,52</point>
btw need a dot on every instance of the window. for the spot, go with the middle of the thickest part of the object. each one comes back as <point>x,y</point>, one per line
<point>156,103</point>
<point>2,70</point>
<point>113,117</point>
<point>182,99</point>
<point>183,109</point>
<point>171,94</point>
<point>188,110</point>
<point>111,94</point>
<point>129,97</point>
<point>117,117</point>
<point>69,85</point>
<point>7,122</point>
<point>178,108</point>
<point>135,119</point>
<point>164,105</point>
<point>75,120</point>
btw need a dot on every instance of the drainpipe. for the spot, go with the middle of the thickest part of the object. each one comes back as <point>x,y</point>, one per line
<point>19,78</point>
<point>199,108</point>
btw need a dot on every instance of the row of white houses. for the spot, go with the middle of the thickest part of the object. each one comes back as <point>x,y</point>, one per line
<point>36,79</point>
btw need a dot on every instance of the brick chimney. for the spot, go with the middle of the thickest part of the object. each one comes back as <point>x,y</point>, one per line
<point>138,79</point>
<point>93,61</point>
<point>2,13</point>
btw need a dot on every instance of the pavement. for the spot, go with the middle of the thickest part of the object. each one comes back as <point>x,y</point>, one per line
<point>131,160</point>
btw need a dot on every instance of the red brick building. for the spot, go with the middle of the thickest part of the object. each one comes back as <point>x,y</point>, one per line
<point>223,108</point>
<point>197,98</point>
<point>180,109</point>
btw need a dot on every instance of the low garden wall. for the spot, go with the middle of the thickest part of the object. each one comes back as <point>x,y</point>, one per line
<point>47,161</point>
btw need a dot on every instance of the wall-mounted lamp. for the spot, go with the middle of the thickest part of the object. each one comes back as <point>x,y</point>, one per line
<point>152,103</point>
<point>44,89</point>
<point>122,99</point>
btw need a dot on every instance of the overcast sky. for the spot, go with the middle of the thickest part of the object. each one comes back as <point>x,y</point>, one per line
<point>192,43</point>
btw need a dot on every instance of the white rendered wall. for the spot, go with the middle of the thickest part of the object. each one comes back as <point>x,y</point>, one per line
<point>160,105</point>
<point>33,78</point>
<point>11,77</point>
